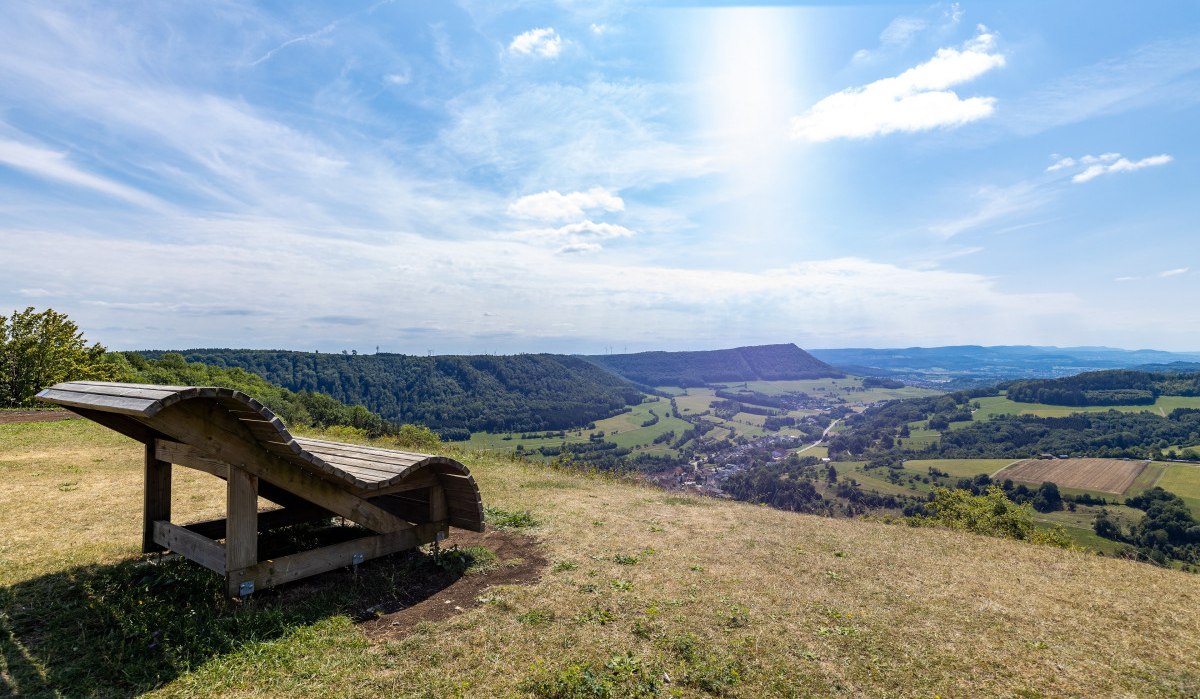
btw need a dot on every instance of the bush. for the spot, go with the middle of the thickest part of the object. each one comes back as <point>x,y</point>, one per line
<point>990,514</point>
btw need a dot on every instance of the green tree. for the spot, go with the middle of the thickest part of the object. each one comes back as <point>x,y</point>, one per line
<point>992,514</point>
<point>40,349</point>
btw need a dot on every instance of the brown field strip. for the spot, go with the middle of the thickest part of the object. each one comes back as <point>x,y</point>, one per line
<point>1103,475</point>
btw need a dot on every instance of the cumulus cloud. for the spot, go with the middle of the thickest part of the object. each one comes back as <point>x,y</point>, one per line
<point>919,99</point>
<point>544,42</point>
<point>553,205</point>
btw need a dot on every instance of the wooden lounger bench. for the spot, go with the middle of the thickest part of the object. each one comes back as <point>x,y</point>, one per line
<point>406,499</point>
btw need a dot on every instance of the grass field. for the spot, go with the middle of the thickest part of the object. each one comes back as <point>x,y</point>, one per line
<point>959,468</point>
<point>1111,476</point>
<point>724,598</point>
<point>848,389</point>
<point>1184,481</point>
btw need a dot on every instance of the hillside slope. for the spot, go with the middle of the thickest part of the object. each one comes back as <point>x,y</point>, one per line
<point>758,363</point>
<point>647,593</point>
<point>524,392</point>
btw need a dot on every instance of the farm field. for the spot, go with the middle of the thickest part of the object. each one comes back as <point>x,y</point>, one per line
<point>1184,481</point>
<point>849,389</point>
<point>700,400</point>
<point>625,430</point>
<point>959,468</point>
<point>1112,476</point>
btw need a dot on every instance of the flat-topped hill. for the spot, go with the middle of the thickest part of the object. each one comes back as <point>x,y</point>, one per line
<point>644,593</point>
<point>758,363</point>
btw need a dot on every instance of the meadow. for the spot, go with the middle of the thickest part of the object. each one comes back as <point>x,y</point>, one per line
<point>643,593</point>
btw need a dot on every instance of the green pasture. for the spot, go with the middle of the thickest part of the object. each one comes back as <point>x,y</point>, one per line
<point>958,468</point>
<point>848,389</point>
<point>1184,481</point>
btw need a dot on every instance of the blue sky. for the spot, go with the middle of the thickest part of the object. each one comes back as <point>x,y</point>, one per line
<point>574,176</point>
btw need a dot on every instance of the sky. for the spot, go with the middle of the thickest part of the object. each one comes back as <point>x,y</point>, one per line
<point>586,177</point>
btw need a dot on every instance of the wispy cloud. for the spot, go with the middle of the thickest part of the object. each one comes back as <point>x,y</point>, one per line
<point>1148,75</point>
<point>1094,166</point>
<point>544,42</point>
<point>55,165</point>
<point>1173,272</point>
<point>902,30</point>
<point>994,204</point>
<point>919,99</point>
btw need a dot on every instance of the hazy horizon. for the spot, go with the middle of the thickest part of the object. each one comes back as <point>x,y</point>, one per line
<point>477,177</point>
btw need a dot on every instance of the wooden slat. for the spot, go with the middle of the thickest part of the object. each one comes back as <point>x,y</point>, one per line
<point>301,565</point>
<point>144,391</point>
<point>132,385</point>
<point>156,497</point>
<point>319,445</point>
<point>190,545</point>
<point>113,404</point>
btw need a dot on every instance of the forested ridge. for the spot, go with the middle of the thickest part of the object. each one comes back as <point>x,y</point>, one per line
<point>452,394</point>
<point>1116,387</point>
<point>759,363</point>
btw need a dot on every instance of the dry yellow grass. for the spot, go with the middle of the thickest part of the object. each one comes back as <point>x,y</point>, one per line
<point>798,605</point>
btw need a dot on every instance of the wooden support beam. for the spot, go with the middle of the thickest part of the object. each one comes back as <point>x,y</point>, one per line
<point>190,545</point>
<point>271,519</point>
<point>219,436</point>
<point>185,455</point>
<point>301,565</point>
<point>241,525</point>
<point>156,497</point>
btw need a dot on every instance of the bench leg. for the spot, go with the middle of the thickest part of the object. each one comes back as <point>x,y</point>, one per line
<point>156,498</point>
<point>241,528</point>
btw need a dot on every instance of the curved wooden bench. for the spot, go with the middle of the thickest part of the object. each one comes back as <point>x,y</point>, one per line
<point>408,499</point>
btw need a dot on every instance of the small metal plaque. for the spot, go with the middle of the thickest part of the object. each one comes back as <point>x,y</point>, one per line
<point>356,559</point>
<point>246,588</point>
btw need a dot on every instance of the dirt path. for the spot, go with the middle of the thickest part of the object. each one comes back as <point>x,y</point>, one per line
<point>520,560</point>
<point>11,416</point>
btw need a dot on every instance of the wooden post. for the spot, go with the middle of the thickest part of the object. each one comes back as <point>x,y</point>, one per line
<point>241,529</point>
<point>156,499</point>
<point>437,504</point>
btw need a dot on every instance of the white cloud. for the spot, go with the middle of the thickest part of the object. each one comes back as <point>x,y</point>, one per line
<point>54,165</point>
<point>919,99</point>
<point>1120,165</point>
<point>1173,272</point>
<point>599,29</point>
<point>1126,279</point>
<point>402,78</point>
<point>994,204</point>
<point>900,31</point>
<point>544,42</point>
<point>576,237</point>
<point>552,205</point>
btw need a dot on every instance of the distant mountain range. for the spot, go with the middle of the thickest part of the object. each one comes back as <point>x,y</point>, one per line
<point>759,363</point>
<point>972,365</point>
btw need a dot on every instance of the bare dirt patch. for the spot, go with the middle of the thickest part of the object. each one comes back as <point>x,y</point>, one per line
<point>1104,475</point>
<point>13,416</point>
<point>519,561</point>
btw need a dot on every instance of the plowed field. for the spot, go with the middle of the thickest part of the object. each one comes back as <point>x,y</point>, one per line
<point>1103,475</point>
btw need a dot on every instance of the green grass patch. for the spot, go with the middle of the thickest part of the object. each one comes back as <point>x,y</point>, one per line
<point>959,468</point>
<point>1184,481</point>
